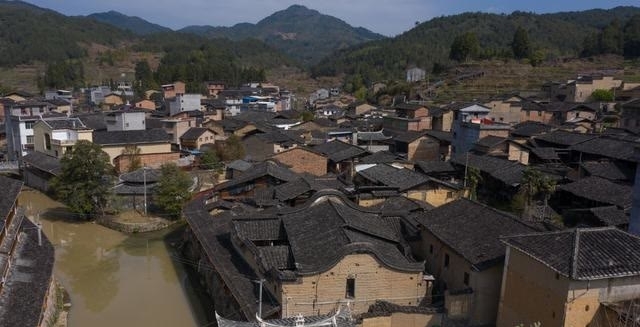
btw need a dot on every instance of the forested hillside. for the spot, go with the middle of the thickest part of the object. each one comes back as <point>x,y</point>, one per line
<point>429,45</point>
<point>134,24</point>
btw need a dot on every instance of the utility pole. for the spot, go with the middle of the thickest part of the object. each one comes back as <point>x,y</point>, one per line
<point>260,281</point>
<point>144,179</point>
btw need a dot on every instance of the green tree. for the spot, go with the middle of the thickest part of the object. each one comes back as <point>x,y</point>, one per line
<point>632,37</point>
<point>144,78</point>
<point>535,185</point>
<point>464,47</point>
<point>521,45</point>
<point>172,189</point>
<point>210,160</point>
<point>84,184</point>
<point>232,149</point>
<point>602,95</point>
<point>473,179</point>
<point>307,116</point>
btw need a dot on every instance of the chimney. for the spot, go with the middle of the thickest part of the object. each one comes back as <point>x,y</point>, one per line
<point>634,220</point>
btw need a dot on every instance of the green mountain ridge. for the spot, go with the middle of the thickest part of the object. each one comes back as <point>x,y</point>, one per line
<point>303,34</point>
<point>555,35</point>
<point>134,24</point>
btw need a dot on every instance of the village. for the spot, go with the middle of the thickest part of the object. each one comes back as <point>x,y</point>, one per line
<point>505,211</point>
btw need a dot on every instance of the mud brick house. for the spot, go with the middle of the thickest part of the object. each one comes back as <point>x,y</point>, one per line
<point>311,259</point>
<point>261,175</point>
<point>303,160</point>
<point>462,248</point>
<point>342,156</point>
<point>577,277</point>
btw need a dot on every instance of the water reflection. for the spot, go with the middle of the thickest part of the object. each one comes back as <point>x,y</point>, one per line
<point>115,279</point>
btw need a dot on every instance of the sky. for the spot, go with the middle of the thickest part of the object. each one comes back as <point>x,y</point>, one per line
<point>387,17</point>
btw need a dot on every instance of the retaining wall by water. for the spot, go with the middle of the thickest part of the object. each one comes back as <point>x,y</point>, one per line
<point>154,224</point>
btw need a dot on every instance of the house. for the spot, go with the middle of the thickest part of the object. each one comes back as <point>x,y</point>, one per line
<point>61,105</point>
<point>563,112</point>
<point>260,146</point>
<point>580,89</point>
<point>360,108</point>
<point>491,145</point>
<point>112,99</point>
<point>319,94</point>
<point>408,117</point>
<point>55,137</point>
<point>463,251</point>
<point>592,192</point>
<point>407,182</point>
<point>195,137</point>
<point>20,118</point>
<point>18,96</point>
<point>183,102</point>
<point>303,159</point>
<point>505,108</point>
<point>26,264</point>
<point>312,258</point>
<point>177,126</point>
<point>535,112</point>
<point>342,156</point>
<point>125,120</point>
<point>172,90</point>
<point>373,141</point>
<point>259,176</point>
<point>214,88</point>
<point>154,146</point>
<point>471,124</point>
<point>145,104</point>
<point>630,115</point>
<point>584,277</point>
<point>415,74</point>
<point>38,169</point>
<point>135,189</point>
<point>418,146</point>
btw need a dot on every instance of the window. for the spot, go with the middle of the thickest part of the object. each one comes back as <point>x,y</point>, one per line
<point>47,141</point>
<point>449,195</point>
<point>466,278</point>
<point>446,260</point>
<point>28,125</point>
<point>30,139</point>
<point>126,124</point>
<point>539,113</point>
<point>431,248</point>
<point>351,288</point>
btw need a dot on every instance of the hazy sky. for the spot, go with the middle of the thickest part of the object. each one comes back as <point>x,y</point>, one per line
<point>388,17</point>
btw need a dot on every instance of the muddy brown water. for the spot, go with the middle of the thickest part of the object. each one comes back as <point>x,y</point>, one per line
<point>115,279</point>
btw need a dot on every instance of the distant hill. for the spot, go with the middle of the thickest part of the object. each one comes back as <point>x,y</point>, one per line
<point>429,43</point>
<point>301,33</point>
<point>31,33</point>
<point>134,24</point>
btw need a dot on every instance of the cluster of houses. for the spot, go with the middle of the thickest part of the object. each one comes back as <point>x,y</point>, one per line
<point>391,212</point>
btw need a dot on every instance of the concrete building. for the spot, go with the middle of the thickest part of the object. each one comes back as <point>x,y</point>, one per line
<point>55,137</point>
<point>184,102</point>
<point>125,120</point>
<point>470,124</point>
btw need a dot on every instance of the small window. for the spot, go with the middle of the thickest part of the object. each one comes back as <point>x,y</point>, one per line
<point>449,195</point>
<point>431,248</point>
<point>446,260</point>
<point>351,288</point>
<point>586,307</point>
<point>539,113</point>
<point>126,124</point>
<point>466,278</point>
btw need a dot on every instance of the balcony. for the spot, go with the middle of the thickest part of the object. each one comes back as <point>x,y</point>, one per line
<point>63,142</point>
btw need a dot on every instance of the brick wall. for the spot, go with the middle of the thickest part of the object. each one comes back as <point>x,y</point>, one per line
<point>322,293</point>
<point>152,160</point>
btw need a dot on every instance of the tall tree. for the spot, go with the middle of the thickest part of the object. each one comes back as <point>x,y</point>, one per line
<point>232,149</point>
<point>464,47</point>
<point>535,185</point>
<point>144,78</point>
<point>172,190</point>
<point>521,45</point>
<point>84,184</point>
<point>632,37</point>
<point>132,153</point>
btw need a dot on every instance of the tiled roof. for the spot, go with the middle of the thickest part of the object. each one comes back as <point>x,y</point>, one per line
<point>240,165</point>
<point>68,123</point>
<point>11,189</point>
<point>141,175</point>
<point>490,141</point>
<point>473,230</point>
<point>265,168</point>
<point>193,133</point>
<point>440,135</point>
<point>610,215</point>
<point>156,135</point>
<point>43,162</point>
<point>408,137</point>
<point>600,190</point>
<point>607,169</point>
<point>564,138</point>
<point>95,121</point>
<point>545,153</point>
<point>608,147</point>
<point>379,157</point>
<point>583,253</point>
<point>403,179</point>
<point>338,151</point>
<point>435,167</point>
<point>505,171</point>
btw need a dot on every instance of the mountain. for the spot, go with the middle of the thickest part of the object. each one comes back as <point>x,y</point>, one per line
<point>30,33</point>
<point>554,35</point>
<point>134,24</point>
<point>301,33</point>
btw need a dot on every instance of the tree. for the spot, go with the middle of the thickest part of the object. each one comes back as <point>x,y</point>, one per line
<point>602,95</point>
<point>132,153</point>
<point>464,47</point>
<point>535,184</point>
<point>632,37</point>
<point>520,45</point>
<point>84,185</point>
<point>232,149</point>
<point>172,189</point>
<point>210,160</point>
<point>307,116</point>
<point>473,179</point>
